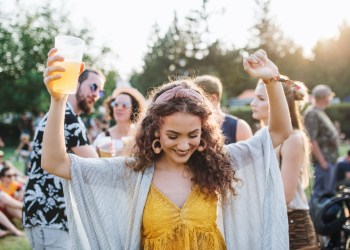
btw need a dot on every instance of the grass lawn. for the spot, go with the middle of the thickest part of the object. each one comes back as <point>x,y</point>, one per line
<point>14,243</point>
<point>9,155</point>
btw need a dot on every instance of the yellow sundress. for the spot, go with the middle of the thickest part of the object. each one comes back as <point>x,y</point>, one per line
<point>166,226</point>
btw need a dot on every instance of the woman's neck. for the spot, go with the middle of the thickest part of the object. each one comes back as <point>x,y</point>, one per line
<point>120,130</point>
<point>164,163</point>
<point>264,123</point>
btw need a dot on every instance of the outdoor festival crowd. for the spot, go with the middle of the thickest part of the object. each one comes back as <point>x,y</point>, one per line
<point>174,170</point>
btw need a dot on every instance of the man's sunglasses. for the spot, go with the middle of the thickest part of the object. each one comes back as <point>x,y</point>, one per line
<point>94,87</point>
<point>123,105</point>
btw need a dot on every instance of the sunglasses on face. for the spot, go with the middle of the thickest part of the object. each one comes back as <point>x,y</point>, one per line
<point>10,175</point>
<point>94,87</point>
<point>123,105</point>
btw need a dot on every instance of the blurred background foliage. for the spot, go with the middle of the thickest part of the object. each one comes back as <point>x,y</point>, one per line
<point>25,39</point>
<point>26,36</point>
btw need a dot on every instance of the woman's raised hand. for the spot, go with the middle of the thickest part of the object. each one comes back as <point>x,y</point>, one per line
<point>257,65</point>
<point>51,73</point>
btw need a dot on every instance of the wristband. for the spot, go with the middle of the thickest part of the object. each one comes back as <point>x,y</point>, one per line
<point>273,79</point>
<point>278,78</point>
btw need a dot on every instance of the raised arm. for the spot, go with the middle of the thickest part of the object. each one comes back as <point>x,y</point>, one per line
<point>259,66</point>
<point>54,158</point>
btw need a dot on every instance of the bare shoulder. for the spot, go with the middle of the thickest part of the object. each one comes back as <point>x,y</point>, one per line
<point>243,123</point>
<point>294,141</point>
<point>243,130</point>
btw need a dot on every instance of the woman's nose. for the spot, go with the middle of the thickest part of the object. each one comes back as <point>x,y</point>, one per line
<point>184,145</point>
<point>252,103</point>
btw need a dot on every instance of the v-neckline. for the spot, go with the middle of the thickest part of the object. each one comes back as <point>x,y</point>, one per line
<point>166,198</point>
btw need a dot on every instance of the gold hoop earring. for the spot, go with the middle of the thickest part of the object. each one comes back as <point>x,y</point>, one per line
<point>156,148</point>
<point>202,145</point>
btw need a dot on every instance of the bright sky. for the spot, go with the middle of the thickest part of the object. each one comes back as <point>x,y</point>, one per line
<point>126,25</point>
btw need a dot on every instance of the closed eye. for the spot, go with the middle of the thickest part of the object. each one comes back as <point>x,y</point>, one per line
<point>193,136</point>
<point>171,137</point>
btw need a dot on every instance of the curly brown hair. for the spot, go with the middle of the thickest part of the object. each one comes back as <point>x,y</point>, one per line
<point>211,168</point>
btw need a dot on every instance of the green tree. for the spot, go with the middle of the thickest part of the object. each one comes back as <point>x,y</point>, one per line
<point>188,51</point>
<point>182,51</point>
<point>331,62</point>
<point>268,36</point>
<point>166,57</point>
<point>25,39</point>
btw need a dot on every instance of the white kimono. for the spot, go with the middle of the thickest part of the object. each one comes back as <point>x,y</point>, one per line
<point>105,201</point>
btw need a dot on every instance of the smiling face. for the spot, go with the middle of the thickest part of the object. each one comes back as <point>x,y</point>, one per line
<point>179,135</point>
<point>122,108</point>
<point>260,104</point>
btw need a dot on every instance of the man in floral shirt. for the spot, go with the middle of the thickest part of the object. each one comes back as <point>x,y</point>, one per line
<point>44,216</point>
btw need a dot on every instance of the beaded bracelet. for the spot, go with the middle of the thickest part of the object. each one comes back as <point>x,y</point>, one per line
<point>278,78</point>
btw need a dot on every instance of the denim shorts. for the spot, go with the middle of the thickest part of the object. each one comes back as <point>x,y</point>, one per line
<point>42,238</point>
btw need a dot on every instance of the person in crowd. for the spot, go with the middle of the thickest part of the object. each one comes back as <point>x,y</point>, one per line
<point>94,126</point>
<point>25,124</point>
<point>44,215</point>
<point>9,226</point>
<point>324,139</point>
<point>23,151</point>
<point>3,162</point>
<point>294,160</point>
<point>233,128</point>
<point>2,143</point>
<point>168,194</point>
<point>125,107</point>
<point>37,120</point>
<point>20,177</point>
<point>12,207</point>
<point>343,169</point>
<point>9,184</point>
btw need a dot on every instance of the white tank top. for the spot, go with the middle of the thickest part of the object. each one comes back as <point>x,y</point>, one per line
<point>299,201</point>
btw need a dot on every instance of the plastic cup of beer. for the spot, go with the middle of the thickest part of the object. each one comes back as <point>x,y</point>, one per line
<point>103,153</point>
<point>105,147</point>
<point>72,49</point>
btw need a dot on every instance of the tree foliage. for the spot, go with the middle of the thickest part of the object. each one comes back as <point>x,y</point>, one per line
<point>282,50</point>
<point>187,51</point>
<point>183,50</point>
<point>25,39</point>
<point>331,62</point>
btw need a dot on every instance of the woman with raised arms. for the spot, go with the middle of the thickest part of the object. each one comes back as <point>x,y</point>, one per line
<point>182,189</point>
